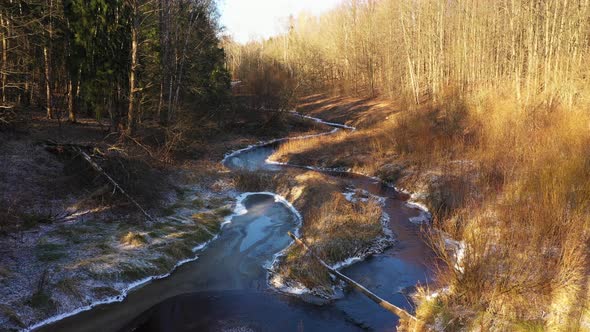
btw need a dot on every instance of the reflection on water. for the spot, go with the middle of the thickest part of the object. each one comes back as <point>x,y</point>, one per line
<point>241,311</point>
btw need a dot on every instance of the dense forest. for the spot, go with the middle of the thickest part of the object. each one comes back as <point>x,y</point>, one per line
<point>124,60</point>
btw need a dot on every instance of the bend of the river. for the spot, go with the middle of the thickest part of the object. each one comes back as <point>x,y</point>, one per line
<point>226,288</point>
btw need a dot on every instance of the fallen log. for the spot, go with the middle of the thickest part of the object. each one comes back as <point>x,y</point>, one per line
<point>381,302</point>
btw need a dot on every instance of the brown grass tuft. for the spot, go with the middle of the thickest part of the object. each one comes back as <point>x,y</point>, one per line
<point>133,239</point>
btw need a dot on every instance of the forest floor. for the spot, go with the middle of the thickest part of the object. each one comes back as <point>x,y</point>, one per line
<point>68,240</point>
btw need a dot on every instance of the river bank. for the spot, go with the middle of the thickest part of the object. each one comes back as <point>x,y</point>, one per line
<point>66,257</point>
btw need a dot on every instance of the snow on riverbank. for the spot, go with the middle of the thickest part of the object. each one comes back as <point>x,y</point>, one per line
<point>129,256</point>
<point>119,298</point>
<point>265,143</point>
<point>122,288</point>
<point>318,120</point>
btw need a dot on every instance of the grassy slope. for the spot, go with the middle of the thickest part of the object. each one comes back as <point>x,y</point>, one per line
<point>513,185</point>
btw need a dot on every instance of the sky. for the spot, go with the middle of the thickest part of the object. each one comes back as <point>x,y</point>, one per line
<point>253,19</point>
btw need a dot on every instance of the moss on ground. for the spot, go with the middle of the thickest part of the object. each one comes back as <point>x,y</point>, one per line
<point>223,211</point>
<point>163,263</point>
<point>211,221</point>
<point>70,286</point>
<point>132,272</point>
<point>178,250</point>
<point>198,203</point>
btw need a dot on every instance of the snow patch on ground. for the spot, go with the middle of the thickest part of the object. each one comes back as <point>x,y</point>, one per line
<point>331,124</point>
<point>292,287</point>
<point>458,250</point>
<point>347,262</point>
<point>349,195</point>
<point>435,294</point>
<point>424,217</point>
<point>415,203</point>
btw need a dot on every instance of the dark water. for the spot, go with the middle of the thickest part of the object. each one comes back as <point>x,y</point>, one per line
<point>226,290</point>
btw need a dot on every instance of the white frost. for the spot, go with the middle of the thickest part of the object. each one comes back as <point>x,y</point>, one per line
<point>124,291</point>
<point>279,284</point>
<point>331,124</point>
<point>265,143</point>
<point>458,249</point>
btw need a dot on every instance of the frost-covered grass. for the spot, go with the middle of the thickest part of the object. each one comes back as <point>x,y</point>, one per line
<point>92,261</point>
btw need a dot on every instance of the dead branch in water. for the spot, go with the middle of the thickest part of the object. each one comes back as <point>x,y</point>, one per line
<point>381,302</point>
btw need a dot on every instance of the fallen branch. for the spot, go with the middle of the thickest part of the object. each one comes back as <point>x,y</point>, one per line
<point>381,302</point>
<point>55,147</point>
<point>77,148</point>
<point>111,180</point>
<point>140,145</point>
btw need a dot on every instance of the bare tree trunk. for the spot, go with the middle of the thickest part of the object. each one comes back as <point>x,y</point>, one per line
<point>410,63</point>
<point>182,57</point>
<point>160,99</point>
<point>131,111</point>
<point>164,11</point>
<point>47,61</point>
<point>47,84</point>
<point>4,68</point>
<point>71,97</point>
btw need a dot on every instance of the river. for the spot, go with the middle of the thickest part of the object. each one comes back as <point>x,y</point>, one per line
<point>226,288</point>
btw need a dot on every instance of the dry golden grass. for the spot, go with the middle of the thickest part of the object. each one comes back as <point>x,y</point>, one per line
<point>527,261</point>
<point>360,113</point>
<point>333,227</point>
<point>133,239</point>
<point>336,230</point>
<point>522,207</point>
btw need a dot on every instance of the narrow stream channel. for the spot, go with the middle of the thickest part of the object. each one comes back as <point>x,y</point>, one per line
<point>225,289</point>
